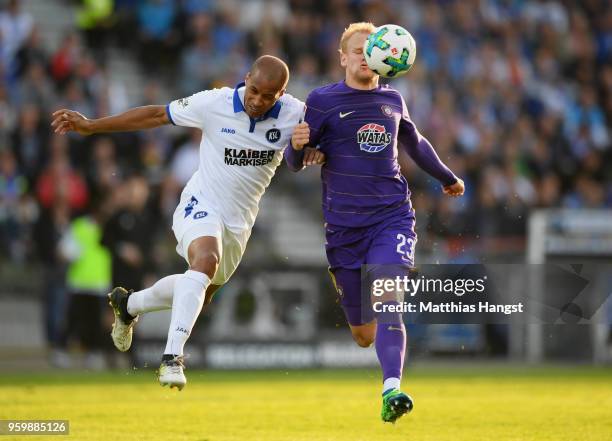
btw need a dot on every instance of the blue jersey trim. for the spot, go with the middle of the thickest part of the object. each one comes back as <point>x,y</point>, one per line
<point>239,107</point>
<point>169,115</point>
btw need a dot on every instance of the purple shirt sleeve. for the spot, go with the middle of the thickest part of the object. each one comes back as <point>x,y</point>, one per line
<point>315,119</point>
<point>294,158</point>
<point>421,150</point>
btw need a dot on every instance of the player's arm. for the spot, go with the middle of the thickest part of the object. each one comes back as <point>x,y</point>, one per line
<point>138,118</point>
<point>297,155</point>
<point>294,154</point>
<point>301,151</point>
<point>423,154</point>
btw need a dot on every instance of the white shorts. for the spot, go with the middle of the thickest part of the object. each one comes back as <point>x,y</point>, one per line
<point>194,218</point>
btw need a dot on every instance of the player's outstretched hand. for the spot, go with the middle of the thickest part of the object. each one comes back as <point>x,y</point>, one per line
<point>456,189</point>
<point>65,121</point>
<point>313,156</point>
<point>301,135</point>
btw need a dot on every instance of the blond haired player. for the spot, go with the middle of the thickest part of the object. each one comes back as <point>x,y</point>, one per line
<point>369,221</point>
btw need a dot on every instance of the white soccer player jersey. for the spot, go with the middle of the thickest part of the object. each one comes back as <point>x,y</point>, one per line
<point>238,154</point>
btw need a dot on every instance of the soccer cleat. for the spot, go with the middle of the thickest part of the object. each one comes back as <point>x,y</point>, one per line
<point>171,373</point>
<point>395,404</point>
<point>124,323</point>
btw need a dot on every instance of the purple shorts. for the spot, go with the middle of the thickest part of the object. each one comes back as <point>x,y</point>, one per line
<point>384,248</point>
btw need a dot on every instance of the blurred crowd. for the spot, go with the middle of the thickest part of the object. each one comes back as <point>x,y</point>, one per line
<point>515,95</point>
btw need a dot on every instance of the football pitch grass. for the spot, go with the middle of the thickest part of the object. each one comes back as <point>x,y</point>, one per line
<point>466,403</point>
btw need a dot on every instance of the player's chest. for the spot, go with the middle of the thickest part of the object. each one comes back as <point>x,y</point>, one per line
<point>368,129</point>
<point>244,133</point>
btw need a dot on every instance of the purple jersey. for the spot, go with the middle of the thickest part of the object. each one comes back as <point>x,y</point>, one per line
<point>359,130</point>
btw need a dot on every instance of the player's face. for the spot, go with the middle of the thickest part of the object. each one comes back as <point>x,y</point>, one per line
<point>353,60</point>
<point>260,95</point>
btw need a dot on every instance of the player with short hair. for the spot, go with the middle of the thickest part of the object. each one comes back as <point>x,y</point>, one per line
<point>359,125</point>
<point>245,131</point>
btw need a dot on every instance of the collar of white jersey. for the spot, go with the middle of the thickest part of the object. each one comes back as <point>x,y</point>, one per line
<point>239,106</point>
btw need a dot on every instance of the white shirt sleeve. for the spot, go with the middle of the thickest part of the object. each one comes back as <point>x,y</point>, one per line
<point>191,111</point>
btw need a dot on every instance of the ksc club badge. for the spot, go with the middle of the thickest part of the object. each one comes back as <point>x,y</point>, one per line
<point>273,135</point>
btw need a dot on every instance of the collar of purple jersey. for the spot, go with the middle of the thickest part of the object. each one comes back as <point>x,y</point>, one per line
<point>239,106</point>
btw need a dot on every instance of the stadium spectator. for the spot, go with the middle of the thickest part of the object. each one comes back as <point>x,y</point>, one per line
<point>60,179</point>
<point>13,187</point>
<point>29,140</point>
<point>32,51</point>
<point>104,173</point>
<point>186,159</point>
<point>88,281</point>
<point>65,59</point>
<point>127,235</point>
<point>36,88</point>
<point>94,19</point>
<point>51,226</point>
<point>158,40</point>
<point>15,28</point>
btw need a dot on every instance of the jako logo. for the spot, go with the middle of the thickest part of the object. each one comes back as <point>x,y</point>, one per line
<point>230,131</point>
<point>373,138</point>
<point>200,215</point>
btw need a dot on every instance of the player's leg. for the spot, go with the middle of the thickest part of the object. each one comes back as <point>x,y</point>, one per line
<point>199,231</point>
<point>366,328</point>
<point>390,347</point>
<point>392,250</point>
<point>216,259</point>
<point>128,305</point>
<point>154,298</point>
<point>364,335</point>
<point>190,290</point>
<point>387,330</point>
<point>189,294</point>
<point>361,321</point>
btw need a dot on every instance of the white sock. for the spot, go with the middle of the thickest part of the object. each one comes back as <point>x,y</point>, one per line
<point>391,383</point>
<point>189,291</point>
<point>155,298</point>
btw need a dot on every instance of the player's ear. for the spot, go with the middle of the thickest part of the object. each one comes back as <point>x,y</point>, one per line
<point>342,59</point>
<point>247,77</point>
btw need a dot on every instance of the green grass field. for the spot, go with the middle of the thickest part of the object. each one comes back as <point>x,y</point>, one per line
<point>467,403</point>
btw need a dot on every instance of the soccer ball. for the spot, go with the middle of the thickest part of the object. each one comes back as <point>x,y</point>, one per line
<point>389,51</point>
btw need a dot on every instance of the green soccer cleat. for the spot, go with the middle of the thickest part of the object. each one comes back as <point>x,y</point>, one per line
<point>395,404</point>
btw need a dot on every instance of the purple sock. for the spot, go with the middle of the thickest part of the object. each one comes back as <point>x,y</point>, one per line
<point>390,343</point>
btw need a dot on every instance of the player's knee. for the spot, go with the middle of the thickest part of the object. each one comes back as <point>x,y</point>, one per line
<point>205,262</point>
<point>363,338</point>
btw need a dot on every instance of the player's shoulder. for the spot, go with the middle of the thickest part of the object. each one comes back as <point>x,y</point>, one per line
<point>221,93</point>
<point>390,92</point>
<point>216,94</point>
<point>291,107</point>
<point>289,101</point>
<point>322,97</point>
<point>323,91</point>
